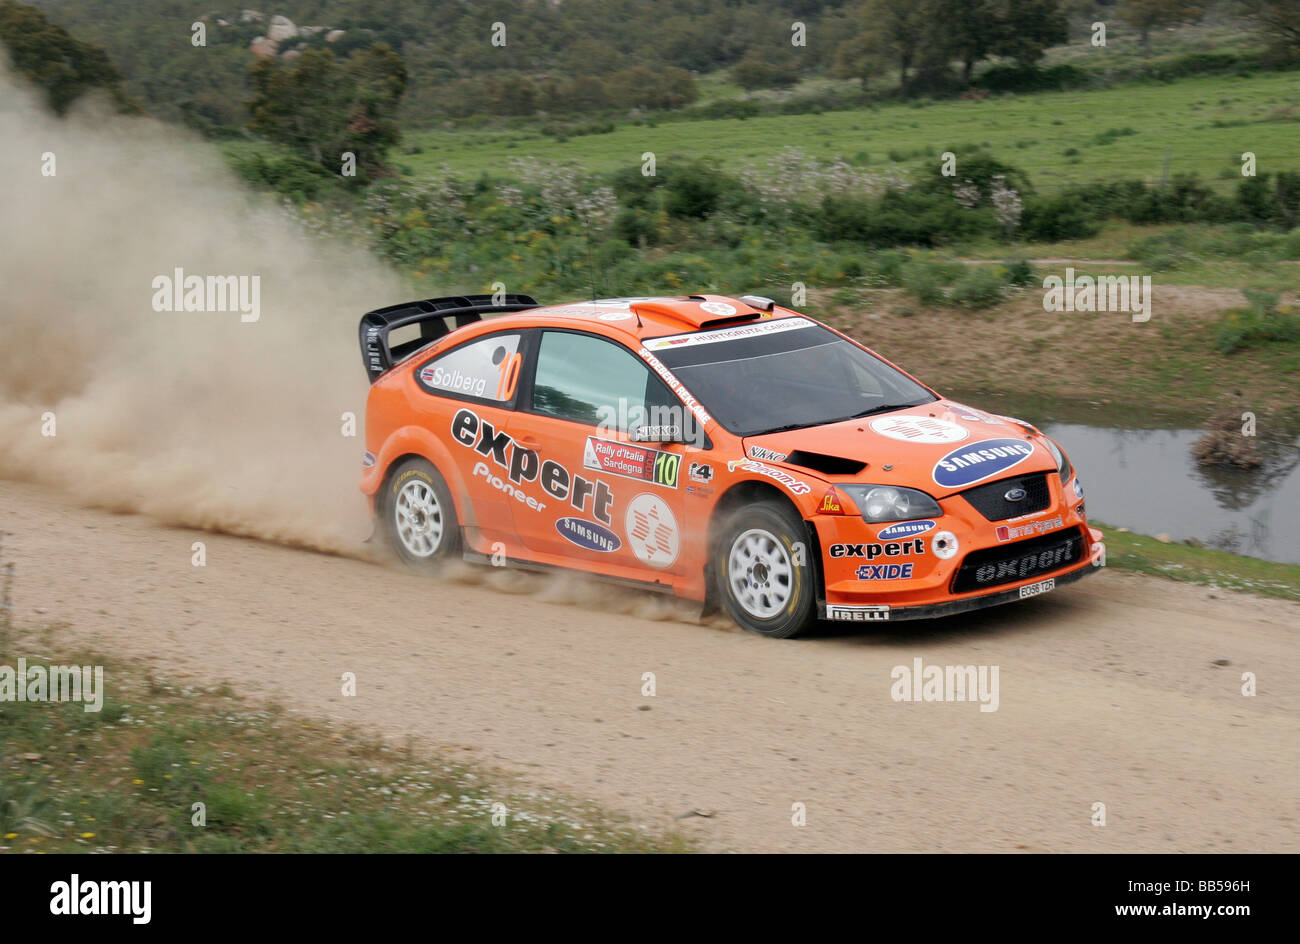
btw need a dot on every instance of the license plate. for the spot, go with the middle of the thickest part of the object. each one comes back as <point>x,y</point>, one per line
<point>1034,589</point>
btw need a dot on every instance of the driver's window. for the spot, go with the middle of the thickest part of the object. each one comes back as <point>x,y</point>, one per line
<point>588,380</point>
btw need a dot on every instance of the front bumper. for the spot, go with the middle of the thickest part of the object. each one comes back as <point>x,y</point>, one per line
<point>840,612</point>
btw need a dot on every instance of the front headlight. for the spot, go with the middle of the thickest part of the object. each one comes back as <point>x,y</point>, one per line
<point>879,503</point>
<point>1063,468</point>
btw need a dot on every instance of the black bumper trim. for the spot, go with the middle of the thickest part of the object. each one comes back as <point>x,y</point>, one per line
<point>953,607</point>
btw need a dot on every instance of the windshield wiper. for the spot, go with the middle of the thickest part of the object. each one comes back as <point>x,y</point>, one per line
<point>842,419</point>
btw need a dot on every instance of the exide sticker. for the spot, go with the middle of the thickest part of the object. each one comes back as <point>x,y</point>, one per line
<point>905,529</point>
<point>979,461</point>
<point>588,534</point>
<point>884,571</point>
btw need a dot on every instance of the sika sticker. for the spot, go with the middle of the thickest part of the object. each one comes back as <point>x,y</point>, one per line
<point>652,530</point>
<point>588,534</point>
<point>919,429</point>
<point>632,461</point>
<point>980,461</point>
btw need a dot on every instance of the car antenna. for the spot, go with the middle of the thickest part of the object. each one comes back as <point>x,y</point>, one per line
<point>591,264</point>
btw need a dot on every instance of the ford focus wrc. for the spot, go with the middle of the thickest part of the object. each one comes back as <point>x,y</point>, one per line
<point>727,450</point>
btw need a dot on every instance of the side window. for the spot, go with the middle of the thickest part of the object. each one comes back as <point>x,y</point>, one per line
<point>486,369</point>
<point>583,378</point>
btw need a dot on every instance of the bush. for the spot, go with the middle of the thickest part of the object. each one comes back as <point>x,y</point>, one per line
<point>697,189</point>
<point>979,287</point>
<point>1260,322</point>
<point>1020,272</point>
<point>759,71</point>
<point>1014,78</point>
<point>1064,216</point>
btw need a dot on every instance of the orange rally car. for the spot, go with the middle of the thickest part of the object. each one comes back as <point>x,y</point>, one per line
<point>724,449</point>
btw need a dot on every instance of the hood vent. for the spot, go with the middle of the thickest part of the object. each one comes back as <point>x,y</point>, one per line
<point>827,465</point>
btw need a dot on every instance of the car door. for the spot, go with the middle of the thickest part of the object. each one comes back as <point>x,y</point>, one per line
<point>612,502</point>
<point>467,398</point>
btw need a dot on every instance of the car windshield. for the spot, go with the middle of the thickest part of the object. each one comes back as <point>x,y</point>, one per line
<point>785,374</point>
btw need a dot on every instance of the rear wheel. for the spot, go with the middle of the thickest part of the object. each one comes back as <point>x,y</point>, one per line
<point>763,574</point>
<point>419,516</point>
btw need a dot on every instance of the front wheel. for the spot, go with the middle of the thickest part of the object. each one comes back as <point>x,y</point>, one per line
<point>764,577</point>
<point>419,516</point>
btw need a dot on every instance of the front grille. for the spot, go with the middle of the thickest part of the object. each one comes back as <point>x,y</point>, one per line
<point>1018,561</point>
<point>990,499</point>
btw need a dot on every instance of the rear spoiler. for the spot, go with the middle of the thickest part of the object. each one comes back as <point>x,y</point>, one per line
<point>435,316</point>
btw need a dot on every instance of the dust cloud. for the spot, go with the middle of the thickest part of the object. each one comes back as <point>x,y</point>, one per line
<point>197,418</point>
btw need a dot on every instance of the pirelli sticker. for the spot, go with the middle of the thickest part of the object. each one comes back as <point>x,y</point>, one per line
<point>632,461</point>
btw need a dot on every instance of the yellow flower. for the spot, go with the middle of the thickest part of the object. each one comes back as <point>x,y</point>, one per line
<point>137,782</point>
<point>11,835</point>
<point>87,835</point>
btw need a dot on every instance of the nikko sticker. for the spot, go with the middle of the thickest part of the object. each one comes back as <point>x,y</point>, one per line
<point>905,529</point>
<point>728,334</point>
<point>632,461</point>
<point>768,455</point>
<point>652,530</point>
<point>979,461</point>
<point>919,429</point>
<point>588,534</point>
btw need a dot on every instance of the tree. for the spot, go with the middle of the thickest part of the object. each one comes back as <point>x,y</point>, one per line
<point>1279,20</point>
<point>1146,15</point>
<point>51,57</point>
<point>322,107</point>
<point>897,31</point>
<point>1025,28</point>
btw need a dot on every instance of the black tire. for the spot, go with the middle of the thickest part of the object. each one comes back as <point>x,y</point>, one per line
<point>418,516</point>
<point>775,596</point>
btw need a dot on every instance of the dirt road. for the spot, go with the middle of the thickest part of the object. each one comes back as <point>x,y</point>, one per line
<point>1108,692</point>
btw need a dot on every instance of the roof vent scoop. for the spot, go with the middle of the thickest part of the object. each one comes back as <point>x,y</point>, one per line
<point>761,302</point>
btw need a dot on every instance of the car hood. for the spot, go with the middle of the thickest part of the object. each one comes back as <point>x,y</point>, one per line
<point>940,448</point>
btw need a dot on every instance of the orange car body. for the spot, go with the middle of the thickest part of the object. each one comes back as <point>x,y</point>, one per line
<point>537,489</point>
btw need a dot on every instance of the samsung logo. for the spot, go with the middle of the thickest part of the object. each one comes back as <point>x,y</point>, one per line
<point>979,461</point>
<point>905,529</point>
<point>588,534</point>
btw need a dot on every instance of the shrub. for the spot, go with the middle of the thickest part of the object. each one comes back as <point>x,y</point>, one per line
<point>979,287</point>
<point>695,190</point>
<point>1064,216</point>
<point>1260,322</point>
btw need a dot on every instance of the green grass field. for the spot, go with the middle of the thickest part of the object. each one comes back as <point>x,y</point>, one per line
<point>1203,124</point>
